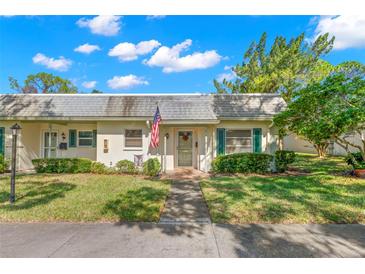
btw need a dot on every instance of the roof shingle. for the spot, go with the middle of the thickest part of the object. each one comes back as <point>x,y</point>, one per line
<point>172,107</point>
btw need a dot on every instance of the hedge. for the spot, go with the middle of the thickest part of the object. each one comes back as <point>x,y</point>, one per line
<point>151,167</point>
<point>4,164</point>
<point>62,165</point>
<point>98,168</point>
<point>242,163</point>
<point>283,158</point>
<point>126,166</point>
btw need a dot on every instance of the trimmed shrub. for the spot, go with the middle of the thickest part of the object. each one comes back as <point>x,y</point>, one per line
<point>82,165</point>
<point>355,160</point>
<point>242,163</point>
<point>62,165</point>
<point>151,167</point>
<point>126,166</point>
<point>4,164</point>
<point>283,158</point>
<point>111,170</point>
<point>98,168</point>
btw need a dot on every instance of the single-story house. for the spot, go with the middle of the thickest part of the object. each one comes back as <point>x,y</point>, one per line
<point>107,128</point>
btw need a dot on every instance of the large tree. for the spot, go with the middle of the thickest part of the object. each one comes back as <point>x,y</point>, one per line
<point>328,110</point>
<point>43,83</point>
<point>286,67</point>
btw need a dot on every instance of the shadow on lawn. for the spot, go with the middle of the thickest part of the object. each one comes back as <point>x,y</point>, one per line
<point>36,194</point>
<point>281,198</point>
<point>137,205</point>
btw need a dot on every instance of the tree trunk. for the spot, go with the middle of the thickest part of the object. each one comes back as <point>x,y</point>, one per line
<point>281,144</point>
<point>321,150</point>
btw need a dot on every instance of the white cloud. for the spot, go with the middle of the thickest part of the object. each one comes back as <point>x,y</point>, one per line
<point>226,75</point>
<point>107,25</point>
<point>87,48</point>
<point>155,17</point>
<point>60,64</point>
<point>126,82</point>
<point>89,84</point>
<point>128,51</point>
<point>169,58</point>
<point>349,30</point>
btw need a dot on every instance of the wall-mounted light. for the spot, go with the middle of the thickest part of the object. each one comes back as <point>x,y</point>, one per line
<point>167,135</point>
<point>63,136</point>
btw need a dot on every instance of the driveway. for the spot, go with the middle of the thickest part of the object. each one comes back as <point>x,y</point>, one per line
<point>180,240</point>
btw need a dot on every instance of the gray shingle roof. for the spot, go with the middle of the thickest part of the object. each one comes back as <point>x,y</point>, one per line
<point>172,107</point>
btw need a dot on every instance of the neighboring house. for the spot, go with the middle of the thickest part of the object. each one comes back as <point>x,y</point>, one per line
<point>109,128</point>
<point>298,144</point>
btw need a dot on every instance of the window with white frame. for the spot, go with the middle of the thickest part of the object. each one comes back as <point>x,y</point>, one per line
<point>238,140</point>
<point>133,138</point>
<point>85,138</point>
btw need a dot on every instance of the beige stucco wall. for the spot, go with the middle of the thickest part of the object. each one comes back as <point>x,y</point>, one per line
<point>269,134</point>
<point>30,142</point>
<point>204,141</point>
<point>295,143</point>
<point>71,152</point>
<point>114,133</point>
<point>353,138</point>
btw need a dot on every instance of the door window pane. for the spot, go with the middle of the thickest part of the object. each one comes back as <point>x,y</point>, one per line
<point>46,139</point>
<point>53,139</point>
<point>46,153</point>
<point>50,145</point>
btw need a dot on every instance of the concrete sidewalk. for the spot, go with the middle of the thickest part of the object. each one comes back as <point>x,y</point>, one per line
<point>180,240</point>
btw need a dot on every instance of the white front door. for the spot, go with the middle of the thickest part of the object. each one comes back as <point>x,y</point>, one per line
<point>185,148</point>
<point>50,143</point>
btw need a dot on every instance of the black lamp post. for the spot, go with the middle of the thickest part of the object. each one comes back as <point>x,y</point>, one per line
<point>14,130</point>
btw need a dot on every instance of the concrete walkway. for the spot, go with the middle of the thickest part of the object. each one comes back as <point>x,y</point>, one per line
<point>185,203</point>
<point>180,240</point>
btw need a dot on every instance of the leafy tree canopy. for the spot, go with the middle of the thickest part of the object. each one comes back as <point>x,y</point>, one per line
<point>43,83</point>
<point>284,68</point>
<point>96,91</point>
<point>329,109</point>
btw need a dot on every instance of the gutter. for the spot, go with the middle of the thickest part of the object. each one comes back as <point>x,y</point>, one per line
<point>95,119</point>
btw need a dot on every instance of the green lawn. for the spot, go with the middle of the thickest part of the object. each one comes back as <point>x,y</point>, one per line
<point>314,191</point>
<point>83,198</point>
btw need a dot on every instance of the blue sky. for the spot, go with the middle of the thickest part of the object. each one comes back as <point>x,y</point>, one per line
<point>205,48</point>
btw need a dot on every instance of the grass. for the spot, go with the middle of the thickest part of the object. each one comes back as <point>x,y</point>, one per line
<point>314,191</point>
<point>83,198</point>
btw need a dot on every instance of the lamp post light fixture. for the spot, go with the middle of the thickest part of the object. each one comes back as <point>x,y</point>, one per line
<point>15,131</point>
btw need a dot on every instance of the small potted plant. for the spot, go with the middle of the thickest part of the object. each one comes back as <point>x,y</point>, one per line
<point>357,162</point>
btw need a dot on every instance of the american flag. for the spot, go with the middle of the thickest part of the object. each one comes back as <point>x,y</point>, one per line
<point>155,140</point>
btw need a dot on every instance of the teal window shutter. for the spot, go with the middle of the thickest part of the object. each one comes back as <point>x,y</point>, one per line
<point>221,141</point>
<point>2,140</point>
<point>72,135</point>
<point>94,138</point>
<point>257,140</point>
